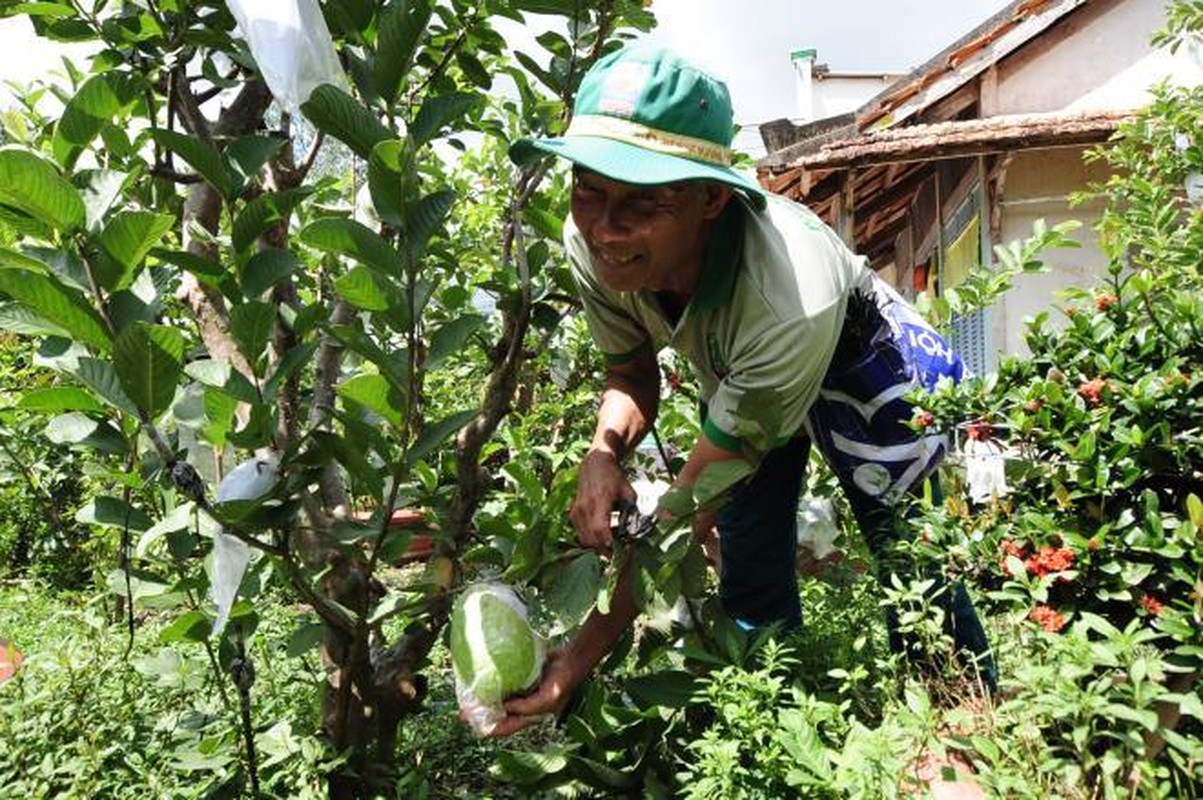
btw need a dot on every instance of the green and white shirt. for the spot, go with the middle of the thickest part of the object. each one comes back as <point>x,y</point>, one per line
<point>761,328</point>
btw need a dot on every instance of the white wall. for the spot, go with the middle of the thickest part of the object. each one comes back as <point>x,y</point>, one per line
<point>1037,187</point>
<point>839,94</point>
<point>1097,59</point>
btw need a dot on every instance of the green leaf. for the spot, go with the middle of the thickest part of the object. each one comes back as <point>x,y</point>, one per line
<point>437,112</point>
<point>35,187</point>
<point>12,259</point>
<point>337,114</point>
<point>248,154</point>
<point>393,365</point>
<point>450,338</point>
<point>201,156</point>
<point>1194,508</point>
<point>192,626</point>
<point>101,100</point>
<point>101,377</point>
<point>208,272</point>
<point>76,428</point>
<point>524,767</point>
<point>306,637</point>
<point>100,190</point>
<point>1134,572</point>
<point>292,361</point>
<point>400,31</point>
<point>219,416</point>
<point>16,318</point>
<point>266,268</point>
<point>113,512</point>
<point>425,218</point>
<point>376,394</point>
<point>127,238</point>
<point>353,239</point>
<point>58,399</point>
<point>435,434</point>
<point>264,212</point>
<point>474,70</point>
<point>574,589</point>
<point>251,326</point>
<point>178,519</point>
<point>363,288</point>
<point>549,225</point>
<point>40,10</point>
<point>389,170</point>
<point>58,305</point>
<point>210,371</point>
<point>148,360</point>
<point>544,76</point>
<point>668,689</point>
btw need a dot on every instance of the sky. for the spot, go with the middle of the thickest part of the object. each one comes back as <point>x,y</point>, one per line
<point>746,43</point>
<point>750,48</point>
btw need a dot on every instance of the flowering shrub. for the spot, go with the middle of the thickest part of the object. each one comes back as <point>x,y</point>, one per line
<point>1104,523</point>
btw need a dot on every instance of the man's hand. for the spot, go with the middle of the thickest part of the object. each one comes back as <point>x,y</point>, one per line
<point>705,530</point>
<point>600,485</point>
<point>561,676</point>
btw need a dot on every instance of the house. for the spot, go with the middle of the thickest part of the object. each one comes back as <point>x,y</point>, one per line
<point>821,92</point>
<point>973,146</point>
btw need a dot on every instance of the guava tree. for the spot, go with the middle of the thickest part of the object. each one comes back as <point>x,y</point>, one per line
<point>211,276</point>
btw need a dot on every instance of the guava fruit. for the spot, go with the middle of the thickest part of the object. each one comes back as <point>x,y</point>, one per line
<point>495,652</point>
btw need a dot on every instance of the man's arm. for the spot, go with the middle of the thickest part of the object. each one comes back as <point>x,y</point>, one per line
<point>628,408</point>
<point>704,454</point>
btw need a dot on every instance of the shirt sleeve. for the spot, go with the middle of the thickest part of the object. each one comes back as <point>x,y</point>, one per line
<point>615,330</point>
<point>772,382</point>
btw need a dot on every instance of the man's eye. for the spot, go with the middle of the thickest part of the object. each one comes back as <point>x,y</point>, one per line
<point>643,205</point>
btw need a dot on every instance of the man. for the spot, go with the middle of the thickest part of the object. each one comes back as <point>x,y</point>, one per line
<point>792,339</point>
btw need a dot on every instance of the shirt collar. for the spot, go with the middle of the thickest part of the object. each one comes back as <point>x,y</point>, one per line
<point>720,263</point>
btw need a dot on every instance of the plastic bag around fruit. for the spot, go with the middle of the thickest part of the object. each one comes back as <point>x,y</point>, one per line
<point>248,481</point>
<point>495,653</point>
<point>291,44</point>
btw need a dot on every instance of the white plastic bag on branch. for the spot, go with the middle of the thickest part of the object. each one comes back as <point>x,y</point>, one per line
<point>494,651</point>
<point>985,470</point>
<point>248,481</point>
<point>292,46</point>
<point>817,529</point>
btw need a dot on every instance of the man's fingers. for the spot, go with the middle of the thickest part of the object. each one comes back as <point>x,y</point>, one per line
<point>511,725</point>
<point>592,526</point>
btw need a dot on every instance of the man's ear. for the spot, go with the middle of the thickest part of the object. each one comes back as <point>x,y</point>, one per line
<point>714,199</point>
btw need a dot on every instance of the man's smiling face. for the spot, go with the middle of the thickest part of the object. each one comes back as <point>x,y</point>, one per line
<point>646,237</point>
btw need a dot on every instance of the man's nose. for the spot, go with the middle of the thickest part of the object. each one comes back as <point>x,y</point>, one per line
<point>611,222</point>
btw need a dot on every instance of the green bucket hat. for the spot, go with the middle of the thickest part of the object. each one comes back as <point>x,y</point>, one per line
<point>644,115</point>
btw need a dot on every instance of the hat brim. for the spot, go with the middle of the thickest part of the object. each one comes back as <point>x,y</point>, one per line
<point>628,163</point>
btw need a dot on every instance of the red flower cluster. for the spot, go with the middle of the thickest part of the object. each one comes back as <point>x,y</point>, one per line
<point>1092,391</point>
<point>1045,561</point>
<point>1048,618</point>
<point>1151,604</point>
<point>980,431</point>
<point>924,419</point>
<point>1105,301</point>
<point>1050,559</point>
<point>674,380</point>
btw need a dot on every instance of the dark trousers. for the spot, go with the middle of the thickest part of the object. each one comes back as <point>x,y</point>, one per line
<point>758,541</point>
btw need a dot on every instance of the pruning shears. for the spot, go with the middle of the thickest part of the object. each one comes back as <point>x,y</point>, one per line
<point>627,524</point>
